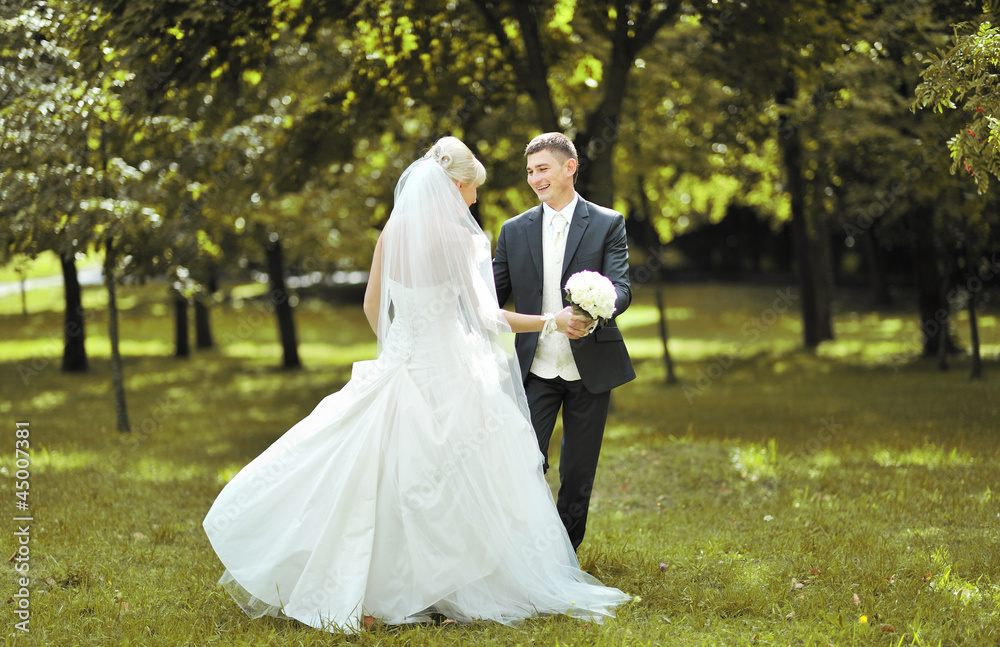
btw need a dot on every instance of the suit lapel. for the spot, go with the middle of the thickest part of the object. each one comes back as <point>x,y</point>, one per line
<point>581,218</point>
<point>534,233</point>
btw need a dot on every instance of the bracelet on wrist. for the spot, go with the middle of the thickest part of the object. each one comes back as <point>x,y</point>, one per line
<point>548,323</point>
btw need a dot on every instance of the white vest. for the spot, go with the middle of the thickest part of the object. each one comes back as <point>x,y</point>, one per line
<point>553,355</point>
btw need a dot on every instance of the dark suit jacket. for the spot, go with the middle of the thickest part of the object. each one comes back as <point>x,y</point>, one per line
<point>596,242</point>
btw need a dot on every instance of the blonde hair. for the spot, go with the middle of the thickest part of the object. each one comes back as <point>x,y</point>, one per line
<point>457,161</point>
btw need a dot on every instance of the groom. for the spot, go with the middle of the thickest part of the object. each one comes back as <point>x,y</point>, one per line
<point>536,252</point>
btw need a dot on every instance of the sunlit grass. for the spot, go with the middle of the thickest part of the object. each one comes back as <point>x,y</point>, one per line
<point>929,455</point>
<point>706,321</point>
<point>641,314</point>
<point>873,339</point>
<point>746,505</point>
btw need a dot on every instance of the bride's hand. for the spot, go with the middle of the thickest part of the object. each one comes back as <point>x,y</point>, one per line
<point>572,325</point>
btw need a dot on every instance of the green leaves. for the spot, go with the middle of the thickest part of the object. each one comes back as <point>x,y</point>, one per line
<point>964,78</point>
<point>252,77</point>
<point>589,71</point>
<point>316,105</point>
<point>562,16</point>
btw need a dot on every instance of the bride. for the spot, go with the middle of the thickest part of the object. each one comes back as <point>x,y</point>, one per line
<point>417,489</point>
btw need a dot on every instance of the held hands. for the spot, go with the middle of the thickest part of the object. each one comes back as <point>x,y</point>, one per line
<point>572,325</point>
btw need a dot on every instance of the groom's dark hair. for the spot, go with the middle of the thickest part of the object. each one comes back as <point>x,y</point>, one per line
<point>559,144</point>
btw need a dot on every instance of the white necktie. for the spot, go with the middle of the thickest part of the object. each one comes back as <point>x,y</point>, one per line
<point>552,298</point>
<point>554,262</point>
<point>558,235</point>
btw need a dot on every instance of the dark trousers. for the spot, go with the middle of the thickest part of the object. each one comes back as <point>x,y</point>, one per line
<point>584,416</point>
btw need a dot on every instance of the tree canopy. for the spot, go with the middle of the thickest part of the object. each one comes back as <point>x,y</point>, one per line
<point>195,135</point>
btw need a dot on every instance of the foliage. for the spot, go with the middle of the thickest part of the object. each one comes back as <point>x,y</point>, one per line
<point>228,125</point>
<point>48,140</point>
<point>963,77</point>
<point>883,162</point>
<point>711,150</point>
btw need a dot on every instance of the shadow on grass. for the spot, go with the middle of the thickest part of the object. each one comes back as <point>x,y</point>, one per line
<point>181,412</point>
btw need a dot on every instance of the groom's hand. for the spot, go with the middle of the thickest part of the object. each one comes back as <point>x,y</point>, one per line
<point>581,327</point>
<point>572,325</point>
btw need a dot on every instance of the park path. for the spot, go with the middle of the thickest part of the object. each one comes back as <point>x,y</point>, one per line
<point>86,276</point>
<point>95,276</point>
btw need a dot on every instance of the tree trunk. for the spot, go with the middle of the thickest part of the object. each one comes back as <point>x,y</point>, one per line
<point>22,281</point>
<point>596,147</point>
<point>942,348</point>
<point>633,30</point>
<point>932,304</point>
<point>596,143</point>
<point>933,309</point>
<point>182,343</point>
<point>823,255</point>
<point>282,308</point>
<point>202,325</point>
<point>117,375</point>
<point>805,273</point>
<point>668,362</point>
<point>878,280</point>
<point>532,71</point>
<point>977,360</point>
<point>535,73</point>
<point>806,270</point>
<point>74,358</point>
<point>645,236</point>
<point>202,314</point>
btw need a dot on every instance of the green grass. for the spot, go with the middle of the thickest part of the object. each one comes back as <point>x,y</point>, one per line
<point>746,506</point>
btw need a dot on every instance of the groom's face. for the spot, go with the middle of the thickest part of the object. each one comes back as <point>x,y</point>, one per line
<point>551,178</point>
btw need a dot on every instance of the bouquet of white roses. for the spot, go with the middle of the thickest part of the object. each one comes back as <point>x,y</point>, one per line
<point>593,294</point>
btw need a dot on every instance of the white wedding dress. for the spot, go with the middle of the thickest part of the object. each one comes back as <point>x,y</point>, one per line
<point>416,489</point>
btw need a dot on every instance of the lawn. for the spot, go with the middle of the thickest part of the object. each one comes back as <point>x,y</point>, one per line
<point>773,497</point>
